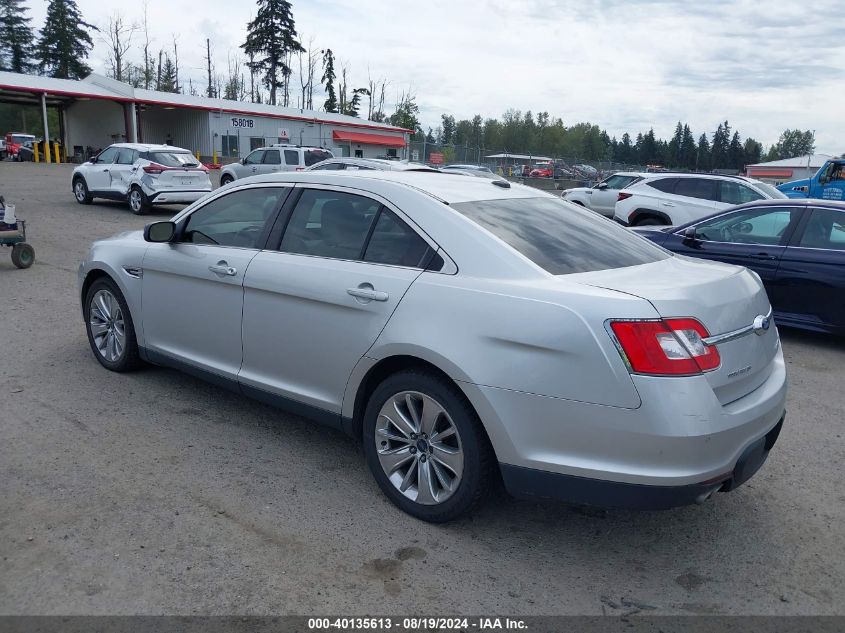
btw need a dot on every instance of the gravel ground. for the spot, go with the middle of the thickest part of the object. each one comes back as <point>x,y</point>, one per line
<point>155,493</point>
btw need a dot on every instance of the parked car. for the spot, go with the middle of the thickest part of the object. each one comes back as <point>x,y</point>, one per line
<point>142,175</point>
<point>542,170</point>
<point>377,164</point>
<point>797,248</point>
<point>674,199</point>
<point>476,168</point>
<point>16,140</point>
<point>391,305</point>
<point>828,183</point>
<point>602,197</point>
<point>272,159</point>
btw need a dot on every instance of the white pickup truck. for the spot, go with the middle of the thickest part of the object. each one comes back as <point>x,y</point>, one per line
<point>602,197</point>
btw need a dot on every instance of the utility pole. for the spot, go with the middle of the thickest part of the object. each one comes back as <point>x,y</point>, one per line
<point>210,92</point>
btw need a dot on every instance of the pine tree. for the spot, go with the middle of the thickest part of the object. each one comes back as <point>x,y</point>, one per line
<point>703,157</point>
<point>675,147</point>
<point>64,42</point>
<point>15,37</point>
<point>169,82</point>
<point>736,152</point>
<point>688,149</point>
<point>328,81</point>
<point>270,41</point>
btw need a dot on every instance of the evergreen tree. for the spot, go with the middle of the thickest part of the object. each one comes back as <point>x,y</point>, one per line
<point>328,81</point>
<point>64,43</point>
<point>675,147</point>
<point>704,155</point>
<point>447,134</point>
<point>169,81</point>
<point>736,153</point>
<point>626,149</point>
<point>689,149</point>
<point>649,153</point>
<point>15,37</point>
<point>753,151</point>
<point>271,39</point>
<point>719,150</point>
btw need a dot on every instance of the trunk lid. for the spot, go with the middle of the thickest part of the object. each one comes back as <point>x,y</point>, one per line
<point>724,298</point>
<point>182,178</point>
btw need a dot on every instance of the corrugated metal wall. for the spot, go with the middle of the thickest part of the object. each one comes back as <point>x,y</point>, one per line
<point>95,123</point>
<point>179,127</point>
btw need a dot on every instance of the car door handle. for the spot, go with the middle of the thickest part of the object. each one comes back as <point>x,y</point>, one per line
<point>668,204</point>
<point>368,293</point>
<point>222,268</point>
<point>765,256</point>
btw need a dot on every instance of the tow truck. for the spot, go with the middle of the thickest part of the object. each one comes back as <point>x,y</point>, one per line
<point>828,183</point>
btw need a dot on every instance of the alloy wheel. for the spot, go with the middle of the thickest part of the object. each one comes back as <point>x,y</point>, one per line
<point>135,200</point>
<point>108,329</point>
<point>419,447</point>
<point>79,191</point>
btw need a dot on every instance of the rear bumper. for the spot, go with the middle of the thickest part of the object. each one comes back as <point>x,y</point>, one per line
<point>532,483</point>
<point>176,197</point>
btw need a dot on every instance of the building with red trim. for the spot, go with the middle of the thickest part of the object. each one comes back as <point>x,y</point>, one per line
<point>781,171</point>
<point>97,111</point>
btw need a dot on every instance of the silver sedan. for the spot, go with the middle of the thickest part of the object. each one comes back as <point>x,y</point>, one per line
<point>462,329</point>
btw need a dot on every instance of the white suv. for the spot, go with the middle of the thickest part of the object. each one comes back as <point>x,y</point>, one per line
<point>602,197</point>
<point>675,199</point>
<point>142,175</point>
<point>267,160</point>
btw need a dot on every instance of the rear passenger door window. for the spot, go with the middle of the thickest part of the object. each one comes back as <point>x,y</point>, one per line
<point>695,188</point>
<point>331,224</point>
<point>666,185</point>
<point>291,158</point>
<point>395,243</point>
<point>238,219</point>
<point>271,157</point>
<point>825,229</point>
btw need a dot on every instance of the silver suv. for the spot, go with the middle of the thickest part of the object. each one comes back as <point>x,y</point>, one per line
<point>275,158</point>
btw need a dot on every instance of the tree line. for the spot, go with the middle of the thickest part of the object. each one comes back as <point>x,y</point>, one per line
<point>274,54</point>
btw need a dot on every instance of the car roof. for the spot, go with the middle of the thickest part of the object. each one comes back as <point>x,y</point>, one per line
<point>791,202</point>
<point>684,174</point>
<point>150,147</point>
<point>394,165</point>
<point>447,188</point>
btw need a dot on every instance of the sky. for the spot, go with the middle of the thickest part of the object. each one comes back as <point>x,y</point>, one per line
<point>625,65</point>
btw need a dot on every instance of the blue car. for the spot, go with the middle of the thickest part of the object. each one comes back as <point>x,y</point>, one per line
<point>796,246</point>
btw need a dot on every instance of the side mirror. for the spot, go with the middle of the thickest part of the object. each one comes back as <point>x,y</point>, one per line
<point>601,185</point>
<point>689,233</point>
<point>160,232</point>
<point>243,161</point>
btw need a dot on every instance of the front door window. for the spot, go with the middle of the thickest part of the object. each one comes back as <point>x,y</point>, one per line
<point>750,226</point>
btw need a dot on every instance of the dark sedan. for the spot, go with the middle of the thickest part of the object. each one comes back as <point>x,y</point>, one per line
<point>796,246</point>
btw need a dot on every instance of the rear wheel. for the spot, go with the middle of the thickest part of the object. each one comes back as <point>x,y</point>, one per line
<point>108,323</point>
<point>138,201</point>
<point>81,193</point>
<point>226,179</point>
<point>426,446</point>
<point>23,255</point>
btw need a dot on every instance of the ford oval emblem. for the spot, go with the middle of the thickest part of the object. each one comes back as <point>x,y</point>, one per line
<point>761,324</point>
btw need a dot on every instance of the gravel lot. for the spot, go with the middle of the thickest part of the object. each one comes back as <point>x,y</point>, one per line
<point>156,493</point>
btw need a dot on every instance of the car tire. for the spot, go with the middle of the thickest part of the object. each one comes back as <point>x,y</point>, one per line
<point>81,193</point>
<point>137,200</point>
<point>109,325</point>
<point>649,222</point>
<point>23,255</point>
<point>225,179</point>
<point>401,452</point>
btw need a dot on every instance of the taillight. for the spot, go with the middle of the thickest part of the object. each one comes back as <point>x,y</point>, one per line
<point>669,347</point>
<point>154,168</point>
<point>623,196</point>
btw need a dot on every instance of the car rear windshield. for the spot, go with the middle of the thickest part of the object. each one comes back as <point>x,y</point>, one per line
<point>560,237</point>
<point>173,159</point>
<point>314,156</point>
<point>772,192</point>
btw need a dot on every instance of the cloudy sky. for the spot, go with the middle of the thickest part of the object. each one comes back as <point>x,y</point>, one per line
<point>625,65</point>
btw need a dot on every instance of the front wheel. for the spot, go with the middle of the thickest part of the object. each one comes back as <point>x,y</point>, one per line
<point>109,326</point>
<point>138,201</point>
<point>426,447</point>
<point>81,193</point>
<point>225,180</point>
<point>23,255</point>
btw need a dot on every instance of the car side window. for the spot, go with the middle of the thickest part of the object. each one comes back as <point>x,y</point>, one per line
<point>826,229</point>
<point>749,226</point>
<point>694,188</point>
<point>255,157</point>
<point>736,193</point>
<point>272,157</point>
<point>291,157</point>
<point>236,219</point>
<point>618,182</point>
<point>394,242</point>
<point>330,167</point>
<point>666,185</point>
<point>329,224</point>
<point>127,156</point>
<point>108,155</point>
